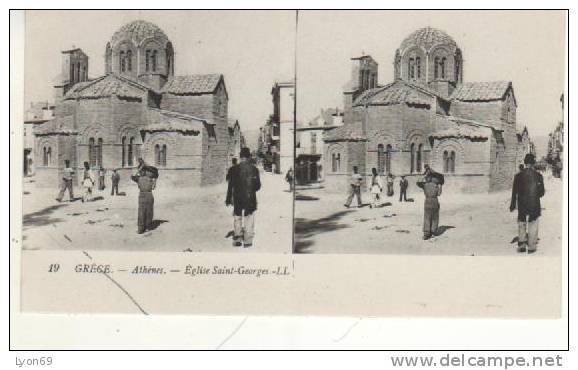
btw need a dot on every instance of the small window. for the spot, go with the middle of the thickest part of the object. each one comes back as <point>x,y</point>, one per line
<point>147,60</point>
<point>388,150</point>
<point>122,62</point>
<point>411,71</point>
<point>129,60</point>
<point>91,152</point>
<point>380,159</point>
<point>130,158</point>
<point>452,162</point>
<point>154,60</point>
<point>99,153</point>
<point>443,67</point>
<point>164,155</point>
<point>123,151</point>
<point>49,156</point>
<point>446,162</point>
<point>419,159</point>
<point>412,158</point>
<point>436,67</point>
<point>418,66</point>
<point>157,155</point>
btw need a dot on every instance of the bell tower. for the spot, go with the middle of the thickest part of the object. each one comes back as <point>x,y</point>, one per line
<point>74,70</point>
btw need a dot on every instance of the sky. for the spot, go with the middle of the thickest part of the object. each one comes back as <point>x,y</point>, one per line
<point>253,49</point>
<point>525,47</point>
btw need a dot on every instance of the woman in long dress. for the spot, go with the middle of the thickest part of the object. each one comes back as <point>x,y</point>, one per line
<point>375,188</point>
<point>87,183</point>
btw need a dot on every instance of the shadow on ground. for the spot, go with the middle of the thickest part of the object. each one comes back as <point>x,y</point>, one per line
<point>42,217</point>
<point>156,223</point>
<point>305,229</point>
<point>443,229</point>
<point>305,197</point>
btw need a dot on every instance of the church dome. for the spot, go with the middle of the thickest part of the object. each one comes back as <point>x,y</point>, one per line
<point>137,32</point>
<point>426,38</point>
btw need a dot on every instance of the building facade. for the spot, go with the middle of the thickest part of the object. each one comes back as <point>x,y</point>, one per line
<point>37,114</point>
<point>427,115</point>
<point>276,140</point>
<point>138,109</point>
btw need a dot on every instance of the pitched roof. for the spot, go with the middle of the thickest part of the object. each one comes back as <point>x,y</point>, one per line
<point>192,84</point>
<point>349,132</point>
<point>481,91</point>
<point>163,120</point>
<point>108,85</point>
<point>455,127</point>
<point>397,92</point>
<point>57,126</point>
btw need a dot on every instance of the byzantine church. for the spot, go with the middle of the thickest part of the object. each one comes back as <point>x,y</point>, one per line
<point>427,115</point>
<point>138,109</point>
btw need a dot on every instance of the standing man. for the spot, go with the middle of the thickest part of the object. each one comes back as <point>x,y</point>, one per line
<point>389,181</point>
<point>146,182</point>
<point>244,183</point>
<point>101,174</point>
<point>354,189</point>
<point>66,182</point>
<point>403,185</point>
<point>114,179</point>
<point>432,190</point>
<point>289,178</point>
<point>527,190</point>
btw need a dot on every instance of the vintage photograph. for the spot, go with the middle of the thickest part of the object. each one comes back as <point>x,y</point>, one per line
<point>158,131</point>
<point>430,132</point>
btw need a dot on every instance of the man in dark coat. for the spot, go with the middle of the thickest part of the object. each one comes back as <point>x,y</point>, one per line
<point>244,182</point>
<point>403,185</point>
<point>527,190</point>
<point>146,182</point>
<point>114,179</point>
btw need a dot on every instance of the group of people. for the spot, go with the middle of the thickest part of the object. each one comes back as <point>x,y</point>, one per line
<point>375,186</point>
<point>527,189</point>
<point>145,176</point>
<point>89,181</point>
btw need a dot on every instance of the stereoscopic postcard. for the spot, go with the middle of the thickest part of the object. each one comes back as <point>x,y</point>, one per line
<point>341,163</point>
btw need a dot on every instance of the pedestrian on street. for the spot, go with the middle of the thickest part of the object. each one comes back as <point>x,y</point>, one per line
<point>527,190</point>
<point>87,183</point>
<point>244,184</point>
<point>114,179</point>
<point>101,174</point>
<point>66,182</point>
<point>354,189</point>
<point>375,188</point>
<point>403,185</point>
<point>289,178</point>
<point>146,181</point>
<point>389,180</point>
<point>432,190</point>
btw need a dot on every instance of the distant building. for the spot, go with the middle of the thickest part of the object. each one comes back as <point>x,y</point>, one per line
<point>236,140</point>
<point>276,141</point>
<point>137,109</point>
<point>427,115</point>
<point>310,145</point>
<point>525,145</point>
<point>36,115</point>
<point>555,155</point>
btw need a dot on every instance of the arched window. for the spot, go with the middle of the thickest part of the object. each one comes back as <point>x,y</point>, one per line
<point>418,66</point>
<point>335,162</point>
<point>147,60</point>
<point>99,153</point>
<point>443,67</point>
<point>452,166</point>
<point>49,156</point>
<point>157,155</point>
<point>380,159</point>
<point>436,67</point>
<point>388,158</point>
<point>122,61</point>
<point>419,159</point>
<point>77,73</point>
<point>123,151</point>
<point>130,158</point>
<point>313,143</point>
<point>45,156</point>
<point>129,60</point>
<point>91,152</point>
<point>457,71</point>
<point>446,161</point>
<point>411,71</point>
<point>164,156</point>
<point>154,60</point>
<point>412,158</point>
